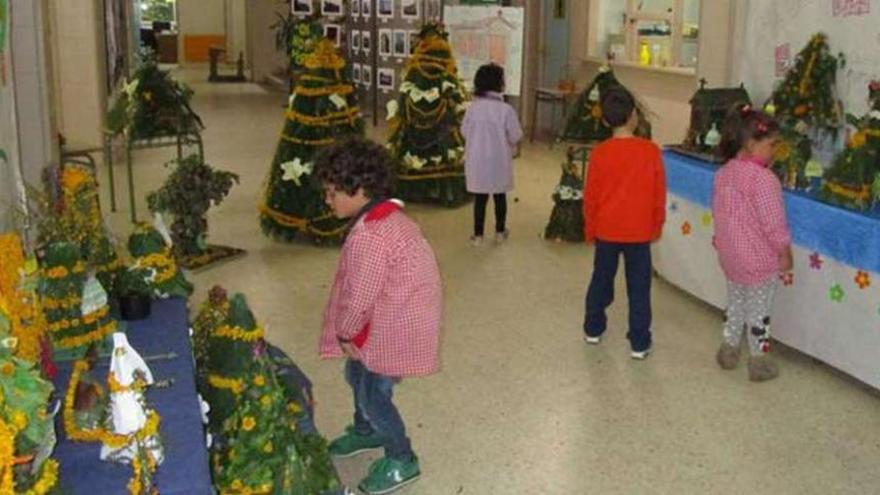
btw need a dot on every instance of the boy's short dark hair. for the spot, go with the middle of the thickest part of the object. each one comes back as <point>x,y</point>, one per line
<point>489,77</point>
<point>617,105</point>
<point>356,163</point>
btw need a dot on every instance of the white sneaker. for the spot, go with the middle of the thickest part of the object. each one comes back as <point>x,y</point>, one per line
<point>501,236</point>
<point>640,355</point>
<point>592,340</point>
<point>475,241</point>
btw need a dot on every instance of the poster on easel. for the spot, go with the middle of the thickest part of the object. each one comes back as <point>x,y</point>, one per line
<point>480,35</point>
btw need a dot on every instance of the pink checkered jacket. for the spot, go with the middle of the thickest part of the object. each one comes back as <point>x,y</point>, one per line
<point>751,230</point>
<point>387,297</point>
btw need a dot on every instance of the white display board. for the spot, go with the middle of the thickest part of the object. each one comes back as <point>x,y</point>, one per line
<point>480,35</point>
<point>774,31</point>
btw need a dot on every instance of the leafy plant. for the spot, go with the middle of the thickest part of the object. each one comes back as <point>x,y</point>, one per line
<point>191,189</point>
<point>132,283</point>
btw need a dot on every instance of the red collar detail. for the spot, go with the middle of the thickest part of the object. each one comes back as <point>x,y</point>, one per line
<point>382,211</point>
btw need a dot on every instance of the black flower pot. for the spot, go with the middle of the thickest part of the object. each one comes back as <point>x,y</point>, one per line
<point>133,307</point>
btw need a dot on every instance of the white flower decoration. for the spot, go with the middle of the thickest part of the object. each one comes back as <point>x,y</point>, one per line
<point>801,127</point>
<point>594,93</point>
<point>446,85</point>
<point>295,169</point>
<point>290,100</point>
<point>392,107</point>
<point>413,162</point>
<point>568,193</point>
<point>130,88</point>
<point>437,159</point>
<point>875,114</point>
<point>338,100</point>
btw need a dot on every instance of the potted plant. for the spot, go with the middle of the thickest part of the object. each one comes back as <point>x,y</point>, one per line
<point>134,294</point>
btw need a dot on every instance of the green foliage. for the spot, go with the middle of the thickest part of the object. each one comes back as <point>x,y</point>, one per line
<point>153,105</point>
<point>567,219</point>
<point>24,394</point>
<point>323,110</point>
<point>132,283</point>
<point>155,263</point>
<point>191,189</point>
<point>808,91</point>
<point>584,123</point>
<point>158,10</point>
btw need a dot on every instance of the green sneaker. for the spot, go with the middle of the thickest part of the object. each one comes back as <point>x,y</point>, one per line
<point>387,475</point>
<point>352,443</point>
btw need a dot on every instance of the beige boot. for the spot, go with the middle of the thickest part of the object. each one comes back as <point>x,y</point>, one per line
<point>762,368</point>
<point>728,356</point>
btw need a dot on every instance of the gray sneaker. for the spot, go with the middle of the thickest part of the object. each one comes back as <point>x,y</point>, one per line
<point>500,237</point>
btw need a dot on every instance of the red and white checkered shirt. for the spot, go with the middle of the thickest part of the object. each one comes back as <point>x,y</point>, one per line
<point>751,230</point>
<point>387,297</point>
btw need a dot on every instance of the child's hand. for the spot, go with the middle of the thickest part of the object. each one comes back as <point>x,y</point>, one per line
<point>786,261</point>
<point>350,350</point>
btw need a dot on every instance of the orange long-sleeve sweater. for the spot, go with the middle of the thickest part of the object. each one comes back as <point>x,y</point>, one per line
<point>625,192</point>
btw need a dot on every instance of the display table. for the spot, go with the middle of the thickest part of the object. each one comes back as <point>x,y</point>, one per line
<point>185,470</point>
<point>828,309</point>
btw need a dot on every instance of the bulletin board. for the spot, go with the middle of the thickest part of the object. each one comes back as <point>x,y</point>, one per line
<point>775,31</point>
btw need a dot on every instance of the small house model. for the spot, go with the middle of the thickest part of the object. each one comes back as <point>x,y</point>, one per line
<point>709,107</point>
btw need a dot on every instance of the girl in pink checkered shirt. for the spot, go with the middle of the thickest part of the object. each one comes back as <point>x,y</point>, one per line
<point>751,236</point>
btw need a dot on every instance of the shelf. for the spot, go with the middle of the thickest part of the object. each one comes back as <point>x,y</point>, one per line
<point>676,71</point>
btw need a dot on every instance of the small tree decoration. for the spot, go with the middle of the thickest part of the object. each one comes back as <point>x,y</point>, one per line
<point>154,263</point>
<point>426,118</point>
<point>567,219</point>
<point>854,178</point>
<point>191,189</point>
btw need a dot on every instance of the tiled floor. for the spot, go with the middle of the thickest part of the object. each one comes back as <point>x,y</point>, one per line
<point>522,406</point>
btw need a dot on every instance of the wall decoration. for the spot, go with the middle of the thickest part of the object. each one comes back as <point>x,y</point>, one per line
<point>433,10</point>
<point>385,9</point>
<point>356,73</point>
<point>399,43</point>
<point>333,32</point>
<point>385,79</point>
<point>366,42</point>
<point>355,42</point>
<point>356,8</point>
<point>367,76</point>
<point>409,9</point>
<point>331,8</point>
<point>413,41</point>
<point>366,9</point>
<point>385,43</point>
<point>846,8</point>
<point>302,7</point>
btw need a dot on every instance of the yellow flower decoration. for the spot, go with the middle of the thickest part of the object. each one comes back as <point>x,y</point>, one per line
<point>783,151</point>
<point>19,420</point>
<point>259,380</point>
<point>73,177</point>
<point>266,400</point>
<point>8,368</point>
<point>294,408</point>
<point>858,140</point>
<point>268,448</point>
<point>597,111</point>
<point>248,423</point>
<point>236,484</point>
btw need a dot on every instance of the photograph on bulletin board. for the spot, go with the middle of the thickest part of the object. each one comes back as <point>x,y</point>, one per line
<point>332,32</point>
<point>399,43</point>
<point>385,79</point>
<point>303,7</point>
<point>413,41</point>
<point>366,9</point>
<point>385,43</point>
<point>331,8</point>
<point>366,42</point>
<point>356,73</point>
<point>356,8</point>
<point>367,76</point>
<point>355,41</point>
<point>385,9</point>
<point>409,9</point>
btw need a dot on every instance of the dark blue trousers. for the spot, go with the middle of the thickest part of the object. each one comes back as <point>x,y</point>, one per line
<point>600,295</point>
<point>374,411</point>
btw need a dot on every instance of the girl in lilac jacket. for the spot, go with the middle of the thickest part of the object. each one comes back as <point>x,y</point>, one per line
<point>491,131</point>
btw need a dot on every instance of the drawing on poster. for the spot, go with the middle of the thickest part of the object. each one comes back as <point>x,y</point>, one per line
<point>479,35</point>
<point>385,9</point>
<point>366,43</point>
<point>409,9</point>
<point>400,38</point>
<point>367,76</point>
<point>302,7</point>
<point>385,49</point>
<point>385,78</point>
<point>356,73</point>
<point>331,8</point>
<point>846,8</point>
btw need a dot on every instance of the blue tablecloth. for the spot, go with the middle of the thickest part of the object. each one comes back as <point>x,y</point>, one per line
<point>850,237</point>
<point>185,470</point>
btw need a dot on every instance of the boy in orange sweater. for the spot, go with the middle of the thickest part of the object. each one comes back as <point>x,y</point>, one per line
<point>624,211</point>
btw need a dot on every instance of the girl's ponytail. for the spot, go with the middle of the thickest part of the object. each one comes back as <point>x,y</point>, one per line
<point>742,124</point>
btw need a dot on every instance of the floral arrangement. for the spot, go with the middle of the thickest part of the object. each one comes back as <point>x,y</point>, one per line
<point>155,263</point>
<point>48,475</point>
<point>425,123</point>
<point>854,179</point>
<point>18,299</point>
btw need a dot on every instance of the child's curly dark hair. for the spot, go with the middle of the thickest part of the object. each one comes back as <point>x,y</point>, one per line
<point>742,124</point>
<point>356,163</point>
<point>489,78</point>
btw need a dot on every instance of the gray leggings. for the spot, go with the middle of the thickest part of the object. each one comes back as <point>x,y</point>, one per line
<point>748,308</point>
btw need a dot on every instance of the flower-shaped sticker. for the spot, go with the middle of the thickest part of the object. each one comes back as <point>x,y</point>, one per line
<point>686,228</point>
<point>836,293</point>
<point>816,261</point>
<point>787,279</point>
<point>707,219</point>
<point>863,280</point>
<point>295,169</point>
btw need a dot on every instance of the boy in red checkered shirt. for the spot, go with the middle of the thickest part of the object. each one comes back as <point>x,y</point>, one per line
<point>384,309</point>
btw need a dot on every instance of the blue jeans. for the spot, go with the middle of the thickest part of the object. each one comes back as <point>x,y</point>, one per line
<point>374,411</point>
<point>600,295</point>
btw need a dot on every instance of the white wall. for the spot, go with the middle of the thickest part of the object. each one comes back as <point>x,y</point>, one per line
<point>201,16</point>
<point>236,29</point>
<point>264,59</point>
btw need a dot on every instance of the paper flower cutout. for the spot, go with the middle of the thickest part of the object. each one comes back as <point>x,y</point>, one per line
<point>863,280</point>
<point>816,261</point>
<point>787,279</point>
<point>130,88</point>
<point>836,293</point>
<point>290,100</point>
<point>295,169</point>
<point>447,85</point>
<point>686,228</point>
<point>391,108</point>
<point>413,162</point>
<point>707,219</point>
<point>338,100</point>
